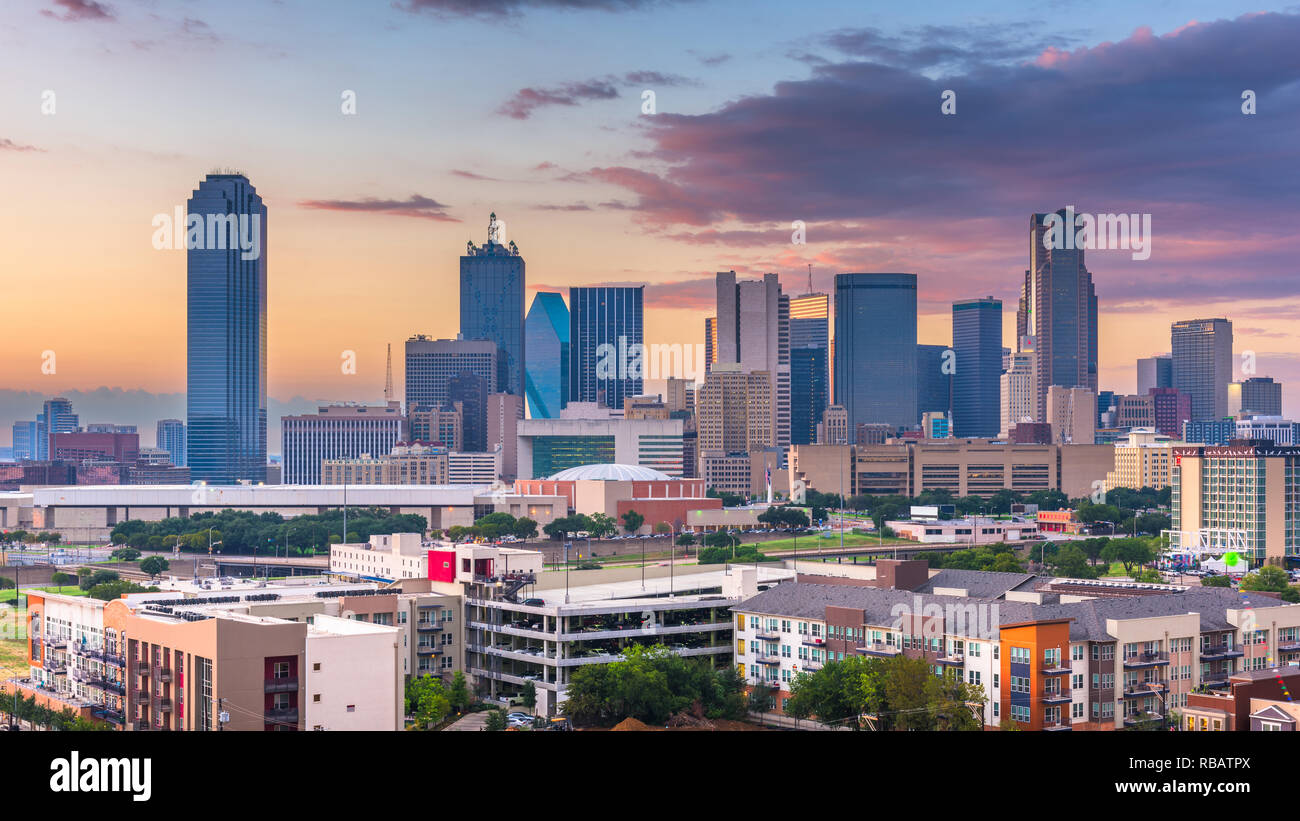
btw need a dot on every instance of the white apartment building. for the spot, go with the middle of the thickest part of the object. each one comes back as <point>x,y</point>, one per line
<point>384,558</point>
<point>355,675</point>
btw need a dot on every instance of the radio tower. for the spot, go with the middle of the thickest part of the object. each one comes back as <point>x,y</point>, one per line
<point>388,379</point>
<point>810,290</point>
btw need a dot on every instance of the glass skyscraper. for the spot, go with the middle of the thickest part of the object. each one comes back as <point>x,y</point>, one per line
<point>604,325</point>
<point>977,342</point>
<point>809,365</point>
<point>546,376</point>
<point>226,328</point>
<point>875,348</point>
<point>1202,364</point>
<point>171,438</point>
<point>492,303</point>
<point>933,386</point>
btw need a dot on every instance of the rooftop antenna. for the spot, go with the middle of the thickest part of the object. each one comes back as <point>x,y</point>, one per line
<point>388,379</point>
<point>810,290</point>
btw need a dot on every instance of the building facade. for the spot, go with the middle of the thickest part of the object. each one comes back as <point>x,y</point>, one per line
<point>606,331</point>
<point>547,373</point>
<point>492,280</point>
<point>977,343</point>
<point>875,348</point>
<point>337,432</point>
<point>1202,364</point>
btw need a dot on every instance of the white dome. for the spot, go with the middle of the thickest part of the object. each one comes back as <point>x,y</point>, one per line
<point>623,473</point>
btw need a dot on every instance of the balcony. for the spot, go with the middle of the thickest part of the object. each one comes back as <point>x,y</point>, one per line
<point>282,714</point>
<point>1218,678</point>
<point>165,705</point>
<point>1055,697</point>
<point>1146,659</point>
<point>142,671</point>
<point>879,649</point>
<point>110,685</point>
<point>954,659</point>
<point>427,626</point>
<point>141,695</point>
<point>1142,717</point>
<point>1061,725</point>
<point>283,684</point>
<point>1055,667</point>
<point>810,666</point>
<point>768,635</point>
<point>163,673</point>
<point>428,650</point>
<point>769,660</point>
<point>813,641</point>
<point>1288,646</point>
<point>1221,652</point>
<point>1139,689</point>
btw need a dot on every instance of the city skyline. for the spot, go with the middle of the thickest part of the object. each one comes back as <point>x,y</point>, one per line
<point>645,193</point>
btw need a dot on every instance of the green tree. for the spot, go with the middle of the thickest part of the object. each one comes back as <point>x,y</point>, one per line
<point>530,695</point>
<point>686,540</point>
<point>1130,552</point>
<point>116,589</point>
<point>525,528</point>
<point>154,565</point>
<point>88,580</point>
<point>496,721</point>
<point>632,521</point>
<point>427,700</point>
<point>1072,562</point>
<point>126,554</point>
<point>600,525</point>
<point>1271,579</point>
<point>1216,581</point>
<point>61,579</point>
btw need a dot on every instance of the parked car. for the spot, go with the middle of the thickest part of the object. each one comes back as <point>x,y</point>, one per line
<point>533,603</point>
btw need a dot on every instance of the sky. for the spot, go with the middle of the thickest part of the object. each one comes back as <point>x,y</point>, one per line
<point>111,112</point>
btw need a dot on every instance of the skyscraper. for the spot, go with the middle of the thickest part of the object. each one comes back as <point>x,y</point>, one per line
<point>606,330</point>
<point>1016,393</point>
<point>471,391</point>
<point>875,348</point>
<point>492,303</point>
<point>809,365</point>
<point>933,386</point>
<point>1057,315</point>
<point>337,432</point>
<point>432,363</point>
<point>977,341</point>
<point>226,330</point>
<point>56,417</point>
<point>1155,372</point>
<point>546,377</point>
<point>171,438</point>
<point>753,331</point>
<point>1202,364</point>
<point>1256,395</point>
<point>27,441</point>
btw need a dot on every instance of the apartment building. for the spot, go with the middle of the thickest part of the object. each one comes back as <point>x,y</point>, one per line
<point>1048,659</point>
<point>1144,458</point>
<point>416,463</point>
<point>384,558</point>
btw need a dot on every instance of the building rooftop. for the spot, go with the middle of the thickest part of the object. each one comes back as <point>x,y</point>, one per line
<point>978,584</point>
<point>610,472</point>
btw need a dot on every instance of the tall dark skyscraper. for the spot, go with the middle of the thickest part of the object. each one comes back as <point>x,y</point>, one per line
<point>546,376</point>
<point>1057,315</point>
<point>431,364</point>
<point>809,365</point>
<point>604,325</point>
<point>977,341</point>
<point>1202,354</point>
<point>875,348</point>
<point>492,303</point>
<point>471,390</point>
<point>933,386</point>
<point>226,374</point>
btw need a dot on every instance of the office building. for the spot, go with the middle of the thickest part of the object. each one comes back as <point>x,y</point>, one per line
<point>1072,413</point>
<point>1202,364</point>
<point>227,327</point>
<point>80,445</point>
<point>1258,395</point>
<point>469,392</point>
<point>548,446</point>
<point>1144,458</point>
<point>432,363</point>
<point>1239,496</point>
<point>875,348</point>
<point>27,441</point>
<point>1275,429</point>
<point>504,412</point>
<point>606,344</point>
<point>834,429</point>
<point>1057,314</point>
<point>337,432</point>
<point>934,379</point>
<point>1155,372</point>
<point>1209,431</point>
<point>547,371</point>
<point>1171,409</point>
<point>1017,397</point>
<point>733,411</point>
<point>753,333</point>
<point>492,305</point>
<point>977,342</point>
<point>710,342</point>
<point>679,395</point>
<point>809,365</point>
<point>406,464</point>
<point>480,468</point>
<point>442,425</point>
<point>171,438</point>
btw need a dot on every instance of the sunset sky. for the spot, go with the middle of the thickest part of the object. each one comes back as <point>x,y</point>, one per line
<point>765,114</point>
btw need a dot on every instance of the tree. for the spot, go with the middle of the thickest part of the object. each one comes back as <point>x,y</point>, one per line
<point>458,696</point>
<point>686,540</point>
<point>496,721</point>
<point>1073,562</point>
<point>126,554</point>
<point>632,521</point>
<point>1130,552</point>
<point>1216,581</point>
<point>530,695</point>
<point>760,698</point>
<point>427,700</point>
<point>525,528</point>
<point>107,591</point>
<point>661,528</point>
<point>1270,579</point>
<point>154,565</point>
<point>62,579</point>
<point>87,581</point>
<point>600,525</point>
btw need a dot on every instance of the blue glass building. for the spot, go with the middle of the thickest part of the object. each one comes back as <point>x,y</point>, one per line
<point>977,341</point>
<point>933,386</point>
<point>875,348</point>
<point>809,365</point>
<point>492,303</point>
<point>605,323</point>
<point>546,375</point>
<point>171,438</point>
<point>226,330</point>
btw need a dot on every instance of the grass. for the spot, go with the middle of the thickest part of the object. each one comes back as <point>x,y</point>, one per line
<point>67,590</point>
<point>13,645</point>
<point>811,541</point>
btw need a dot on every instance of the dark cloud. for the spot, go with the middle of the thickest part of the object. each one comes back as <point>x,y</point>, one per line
<point>77,10</point>
<point>7,144</point>
<point>417,206</point>
<point>1149,124</point>
<point>470,175</point>
<point>527,100</point>
<point>574,207</point>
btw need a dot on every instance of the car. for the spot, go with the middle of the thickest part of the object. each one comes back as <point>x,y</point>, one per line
<point>533,603</point>
<point>531,677</point>
<point>517,715</point>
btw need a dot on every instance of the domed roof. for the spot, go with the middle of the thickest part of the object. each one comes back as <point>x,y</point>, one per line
<point>621,473</point>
